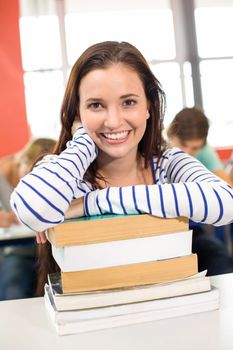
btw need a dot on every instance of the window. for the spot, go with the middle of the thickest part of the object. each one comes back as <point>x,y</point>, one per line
<point>55,32</point>
<point>215,27</point>
<point>115,26</point>
<point>216,66</point>
<point>40,42</point>
<point>216,79</point>
<point>42,63</point>
<point>169,76</point>
<point>44,91</point>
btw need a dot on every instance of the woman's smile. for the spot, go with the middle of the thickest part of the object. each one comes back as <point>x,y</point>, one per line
<point>115,137</point>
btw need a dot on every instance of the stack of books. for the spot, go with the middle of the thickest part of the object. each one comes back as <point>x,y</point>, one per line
<point>124,269</point>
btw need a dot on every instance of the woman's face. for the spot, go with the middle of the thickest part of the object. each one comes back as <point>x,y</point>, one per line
<point>114,110</point>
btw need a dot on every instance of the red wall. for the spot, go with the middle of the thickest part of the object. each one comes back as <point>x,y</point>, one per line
<point>14,130</point>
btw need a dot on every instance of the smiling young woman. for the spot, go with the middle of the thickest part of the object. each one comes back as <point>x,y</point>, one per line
<point>116,161</point>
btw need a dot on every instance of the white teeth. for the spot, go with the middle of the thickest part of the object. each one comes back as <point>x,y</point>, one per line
<point>117,136</point>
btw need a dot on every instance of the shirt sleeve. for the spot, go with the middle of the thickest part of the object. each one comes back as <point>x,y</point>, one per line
<point>184,187</point>
<point>209,158</point>
<point>43,196</point>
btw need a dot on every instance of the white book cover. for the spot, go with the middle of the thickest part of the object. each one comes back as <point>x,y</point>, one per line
<point>73,301</point>
<point>123,252</point>
<point>101,318</point>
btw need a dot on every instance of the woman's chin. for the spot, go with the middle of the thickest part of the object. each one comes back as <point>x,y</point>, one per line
<point>116,152</point>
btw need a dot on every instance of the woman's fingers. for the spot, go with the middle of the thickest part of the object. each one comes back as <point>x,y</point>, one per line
<point>75,126</point>
<point>41,237</point>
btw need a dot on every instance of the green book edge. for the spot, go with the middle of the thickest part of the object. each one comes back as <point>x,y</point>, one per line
<point>98,217</point>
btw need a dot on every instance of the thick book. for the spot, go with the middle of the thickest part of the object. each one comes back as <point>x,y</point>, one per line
<point>129,275</point>
<point>104,228</point>
<point>108,317</point>
<point>87,300</point>
<point>123,252</point>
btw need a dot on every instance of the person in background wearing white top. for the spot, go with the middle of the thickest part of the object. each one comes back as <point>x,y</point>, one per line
<point>117,161</point>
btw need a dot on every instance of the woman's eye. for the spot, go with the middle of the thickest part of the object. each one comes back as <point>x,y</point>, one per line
<point>95,105</point>
<point>130,102</point>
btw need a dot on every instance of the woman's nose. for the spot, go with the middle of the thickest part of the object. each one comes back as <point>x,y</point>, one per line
<point>113,119</point>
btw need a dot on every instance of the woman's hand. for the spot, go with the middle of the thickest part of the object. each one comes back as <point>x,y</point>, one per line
<point>41,237</point>
<point>76,209</point>
<point>75,126</point>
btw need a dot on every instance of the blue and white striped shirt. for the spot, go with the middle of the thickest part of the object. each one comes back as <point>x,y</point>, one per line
<point>183,187</point>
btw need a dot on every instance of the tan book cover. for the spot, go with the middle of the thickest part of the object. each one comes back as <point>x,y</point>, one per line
<point>129,275</point>
<point>103,228</point>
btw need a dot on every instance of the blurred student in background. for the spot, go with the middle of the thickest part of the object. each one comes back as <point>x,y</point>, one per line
<point>17,266</point>
<point>8,180</point>
<point>188,131</point>
<point>7,218</point>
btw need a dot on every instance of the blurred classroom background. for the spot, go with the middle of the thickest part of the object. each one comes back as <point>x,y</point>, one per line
<point>186,42</point>
<point>188,45</point>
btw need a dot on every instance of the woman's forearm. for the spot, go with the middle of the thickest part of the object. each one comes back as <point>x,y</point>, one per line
<point>184,187</point>
<point>42,197</point>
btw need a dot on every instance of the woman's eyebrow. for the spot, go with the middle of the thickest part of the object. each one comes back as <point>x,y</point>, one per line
<point>129,95</point>
<point>94,99</point>
<point>99,99</point>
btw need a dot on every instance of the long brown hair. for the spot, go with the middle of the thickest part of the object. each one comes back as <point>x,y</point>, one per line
<point>101,56</point>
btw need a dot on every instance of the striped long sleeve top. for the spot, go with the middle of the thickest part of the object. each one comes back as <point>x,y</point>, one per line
<point>182,187</point>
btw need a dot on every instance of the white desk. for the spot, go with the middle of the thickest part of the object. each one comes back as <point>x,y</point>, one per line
<point>24,324</point>
<point>16,232</point>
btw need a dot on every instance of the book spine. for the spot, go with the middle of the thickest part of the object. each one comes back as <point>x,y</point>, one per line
<point>113,229</point>
<point>129,275</point>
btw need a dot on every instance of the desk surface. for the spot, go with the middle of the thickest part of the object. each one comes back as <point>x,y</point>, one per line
<point>24,324</point>
<point>16,232</point>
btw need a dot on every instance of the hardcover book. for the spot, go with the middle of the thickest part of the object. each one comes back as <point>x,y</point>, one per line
<point>105,228</point>
<point>130,275</point>
<point>123,252</point>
